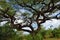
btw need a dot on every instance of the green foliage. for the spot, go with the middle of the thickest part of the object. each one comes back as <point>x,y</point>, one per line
<point>56,32</point>
<point>29,1</point>
<point>11,12</point>
<point>35,37</point>
<point>6,32</point>
<point>39,37</point>
<point>4,5</point>
<point>43,33</point>
<point>49,33</point>
<point>56,1</point>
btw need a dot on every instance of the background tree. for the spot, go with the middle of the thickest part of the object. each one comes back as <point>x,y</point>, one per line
<point>39,11</point>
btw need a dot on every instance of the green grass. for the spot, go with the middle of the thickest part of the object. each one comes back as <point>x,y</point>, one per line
<point>52,39</point>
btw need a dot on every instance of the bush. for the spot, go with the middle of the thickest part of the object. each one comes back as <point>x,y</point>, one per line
<point>35,37</point>
<point>6,33</point>
<point>56,32</point>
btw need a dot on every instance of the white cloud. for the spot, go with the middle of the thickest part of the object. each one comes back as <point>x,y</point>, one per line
<point>2,23</point>
<point>17,15</point>
<point>22,10</point>
<point>53,22</point>
<point>27,28</point>
<point>18,21</point>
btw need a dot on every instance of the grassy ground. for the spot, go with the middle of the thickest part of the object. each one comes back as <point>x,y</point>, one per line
<point>52,39</point>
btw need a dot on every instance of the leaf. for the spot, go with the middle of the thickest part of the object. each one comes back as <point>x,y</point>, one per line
<point>56,1</point>
<point>25,1</point>
<point>11,12</point>
<point>4,4</point>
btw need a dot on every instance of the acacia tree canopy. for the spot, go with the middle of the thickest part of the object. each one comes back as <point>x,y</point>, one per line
<point>34,10</point>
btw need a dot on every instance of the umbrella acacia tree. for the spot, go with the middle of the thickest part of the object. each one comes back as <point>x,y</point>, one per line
<point>38,9</point>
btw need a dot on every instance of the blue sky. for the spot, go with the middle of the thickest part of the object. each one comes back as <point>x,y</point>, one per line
<point>53,23</point>
<point>47,24</point>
